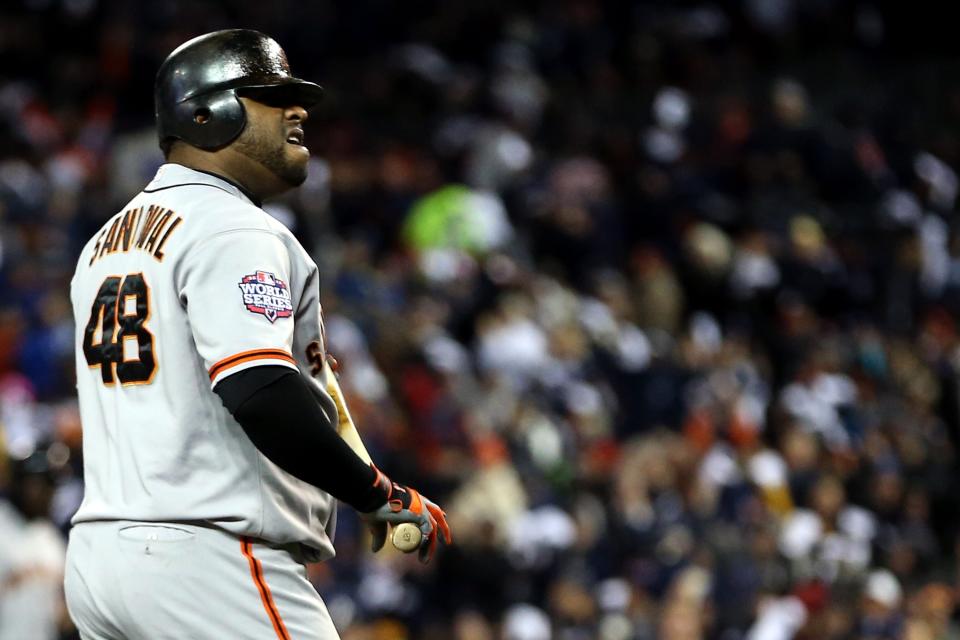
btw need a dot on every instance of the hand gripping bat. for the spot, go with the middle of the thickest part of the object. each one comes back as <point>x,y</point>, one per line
<point>405,536</point>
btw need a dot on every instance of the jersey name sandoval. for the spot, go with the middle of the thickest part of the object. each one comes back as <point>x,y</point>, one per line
<point>186,285</point>
<point>143,228</point>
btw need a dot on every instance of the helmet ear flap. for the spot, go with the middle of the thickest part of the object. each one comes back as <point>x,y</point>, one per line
<point>201,116</point>
<point>210,121</point>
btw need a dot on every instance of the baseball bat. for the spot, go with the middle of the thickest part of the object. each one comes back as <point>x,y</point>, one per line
<point>405,536</point>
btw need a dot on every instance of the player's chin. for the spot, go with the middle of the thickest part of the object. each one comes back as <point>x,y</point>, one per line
<point>295,169</point>
<point>296,153</point>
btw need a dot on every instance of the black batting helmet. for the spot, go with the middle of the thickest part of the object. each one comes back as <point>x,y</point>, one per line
<point>196,89</point>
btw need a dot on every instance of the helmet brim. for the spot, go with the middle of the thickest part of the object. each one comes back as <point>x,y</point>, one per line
<point>285,92</point>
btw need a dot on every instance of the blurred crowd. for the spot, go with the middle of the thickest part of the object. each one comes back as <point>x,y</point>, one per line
<point>657,299</point>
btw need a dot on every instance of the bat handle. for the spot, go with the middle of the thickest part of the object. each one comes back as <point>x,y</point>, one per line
<point>406,537</point>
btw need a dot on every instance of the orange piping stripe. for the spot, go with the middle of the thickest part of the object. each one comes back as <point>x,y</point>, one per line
<point>256,571</point>
<point>247,356</point>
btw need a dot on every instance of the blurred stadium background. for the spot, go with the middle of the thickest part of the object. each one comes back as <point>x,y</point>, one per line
<point>663,293</point>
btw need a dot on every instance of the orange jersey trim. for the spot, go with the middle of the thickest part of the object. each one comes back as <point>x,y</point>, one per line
<point>247,356</point>
<point>256,571</point>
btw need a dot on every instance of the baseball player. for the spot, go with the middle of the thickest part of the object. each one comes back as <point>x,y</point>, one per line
<point>212,464</point>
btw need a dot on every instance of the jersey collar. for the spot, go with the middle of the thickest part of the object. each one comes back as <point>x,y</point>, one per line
<point>175,175</point>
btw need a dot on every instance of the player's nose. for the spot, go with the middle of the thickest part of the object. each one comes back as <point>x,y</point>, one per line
<point>295,113</point>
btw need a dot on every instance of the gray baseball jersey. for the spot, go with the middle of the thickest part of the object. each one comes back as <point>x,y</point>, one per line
<point>190,283</point>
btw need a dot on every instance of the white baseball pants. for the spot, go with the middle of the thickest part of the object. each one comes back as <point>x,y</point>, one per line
<point>150,581</point>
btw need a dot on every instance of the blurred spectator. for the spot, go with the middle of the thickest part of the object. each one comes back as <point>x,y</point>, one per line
<point>32,555</point>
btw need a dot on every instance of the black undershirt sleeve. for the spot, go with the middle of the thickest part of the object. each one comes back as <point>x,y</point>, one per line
<point>285,421</point>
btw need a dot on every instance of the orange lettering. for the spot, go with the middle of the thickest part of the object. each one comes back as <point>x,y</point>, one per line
<point>158,254</point>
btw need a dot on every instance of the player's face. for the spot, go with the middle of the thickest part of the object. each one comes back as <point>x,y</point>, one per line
<point>274,138</point>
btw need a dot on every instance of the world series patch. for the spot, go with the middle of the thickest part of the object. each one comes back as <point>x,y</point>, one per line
<point>266,294</point>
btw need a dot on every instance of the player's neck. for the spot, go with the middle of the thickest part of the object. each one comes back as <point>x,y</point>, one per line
<point>233,167</point>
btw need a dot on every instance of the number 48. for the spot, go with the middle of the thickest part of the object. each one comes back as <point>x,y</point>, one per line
<point>119,313</point>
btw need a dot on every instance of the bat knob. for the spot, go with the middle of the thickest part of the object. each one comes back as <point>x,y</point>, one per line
<point>406,537</point>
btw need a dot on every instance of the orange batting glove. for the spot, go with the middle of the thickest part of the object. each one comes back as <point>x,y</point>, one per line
<point>405,504</point>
